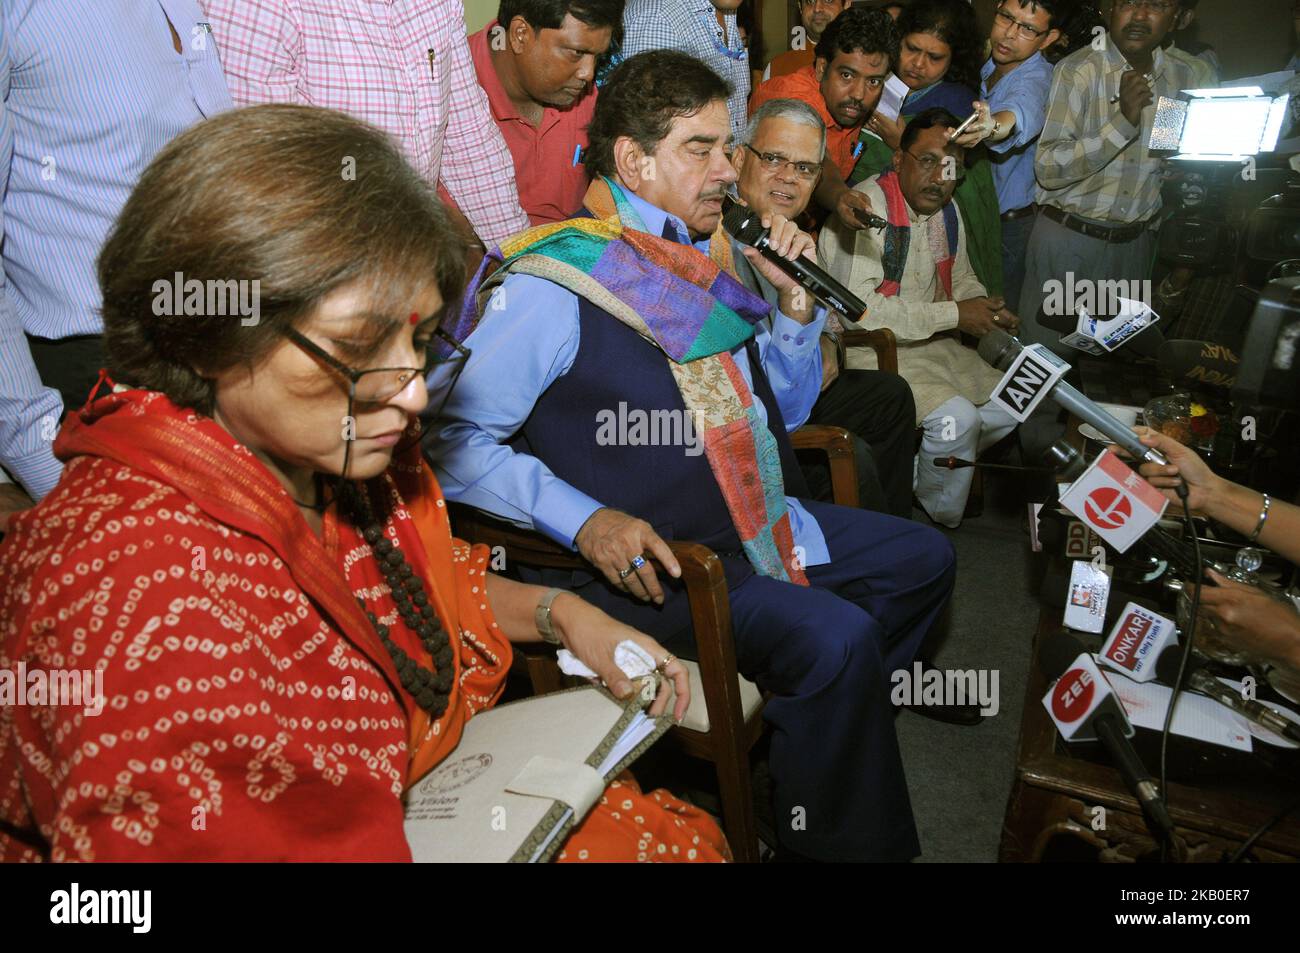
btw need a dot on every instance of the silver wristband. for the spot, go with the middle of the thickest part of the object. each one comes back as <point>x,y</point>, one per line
<point>542,616</point>
<point>1263,518</point>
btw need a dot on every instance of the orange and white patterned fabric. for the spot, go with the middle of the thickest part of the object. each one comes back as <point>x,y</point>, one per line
<point>250,712</point>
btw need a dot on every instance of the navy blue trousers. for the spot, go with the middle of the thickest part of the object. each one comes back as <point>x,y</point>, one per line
<point>826,651</point>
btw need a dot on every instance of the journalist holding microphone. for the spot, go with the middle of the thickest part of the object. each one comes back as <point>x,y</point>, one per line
<point>1246,615</point>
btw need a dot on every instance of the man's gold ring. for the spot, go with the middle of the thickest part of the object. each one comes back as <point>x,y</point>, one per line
<point>663,666</point>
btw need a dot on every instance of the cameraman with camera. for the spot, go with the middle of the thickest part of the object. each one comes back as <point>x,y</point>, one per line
<point>1250,617</point>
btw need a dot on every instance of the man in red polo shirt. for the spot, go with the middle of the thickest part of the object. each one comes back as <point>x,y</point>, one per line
<point>843,85</point>
<point>536,63</point>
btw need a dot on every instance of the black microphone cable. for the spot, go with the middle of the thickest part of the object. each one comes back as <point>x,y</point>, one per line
<point>1183,494</point>
<point>1240,853</point>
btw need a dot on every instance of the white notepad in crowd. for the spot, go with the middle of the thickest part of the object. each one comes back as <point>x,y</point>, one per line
<point>891,97</point>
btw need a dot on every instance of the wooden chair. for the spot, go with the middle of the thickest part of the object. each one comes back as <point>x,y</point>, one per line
<point>881,340</point>
<point>724,720</point>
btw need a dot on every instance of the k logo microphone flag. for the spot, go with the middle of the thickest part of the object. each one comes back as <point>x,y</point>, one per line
<point>1114,501</point>
<point>1107,508</point>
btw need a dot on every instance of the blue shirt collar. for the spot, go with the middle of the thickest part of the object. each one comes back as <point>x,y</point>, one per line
<point>1029,65</point>
<point>654,218</point>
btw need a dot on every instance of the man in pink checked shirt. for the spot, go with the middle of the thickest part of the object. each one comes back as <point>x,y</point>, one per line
<point>402,65</point>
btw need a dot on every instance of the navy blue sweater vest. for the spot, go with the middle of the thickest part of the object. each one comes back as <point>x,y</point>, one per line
<point>602,428</point>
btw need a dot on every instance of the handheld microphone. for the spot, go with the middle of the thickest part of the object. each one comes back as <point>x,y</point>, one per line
<point>1200,362</point>
<point>1083,705</point>
<point>746,226</point>
<point>999,349</point>
<point>1201,681</point>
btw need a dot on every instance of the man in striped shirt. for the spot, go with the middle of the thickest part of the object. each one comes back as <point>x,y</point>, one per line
<point>401,65</point>
<point>88,94</point>
<point>706,29</point>
<point>1098,185</point>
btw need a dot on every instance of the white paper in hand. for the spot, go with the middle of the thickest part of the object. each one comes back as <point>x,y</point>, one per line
<point>891,97</point>
<point>634,661</point>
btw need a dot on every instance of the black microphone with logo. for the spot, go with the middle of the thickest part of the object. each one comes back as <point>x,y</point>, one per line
<point>746,226</point>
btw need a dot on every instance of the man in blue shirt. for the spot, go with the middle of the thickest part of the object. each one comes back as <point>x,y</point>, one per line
<point>89,92</point>
<point>528,434</point>
<point>1014,84</point>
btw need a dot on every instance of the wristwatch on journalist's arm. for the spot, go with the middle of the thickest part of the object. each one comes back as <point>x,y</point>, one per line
<point>542,616</point>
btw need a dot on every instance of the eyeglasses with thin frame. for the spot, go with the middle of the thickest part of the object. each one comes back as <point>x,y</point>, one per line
<point>385,383</point>
<point>1023,30</point>
<point>774,162</point>
<point>929,163</point>
<point>374,385</point>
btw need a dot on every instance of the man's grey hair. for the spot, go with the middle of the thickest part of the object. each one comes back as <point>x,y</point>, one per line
<point>795,110</point>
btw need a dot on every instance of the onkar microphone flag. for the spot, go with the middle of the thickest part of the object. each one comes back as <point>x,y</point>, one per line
<point>1114,501</point>
<point>1136,642</point>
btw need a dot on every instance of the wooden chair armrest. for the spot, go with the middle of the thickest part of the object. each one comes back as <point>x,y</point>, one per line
<point>524,546</point>
<point>706,589</point>
<point>837,444</point>
<point>881,340</point>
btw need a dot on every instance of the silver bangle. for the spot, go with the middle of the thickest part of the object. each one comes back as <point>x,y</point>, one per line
<point>1263,517</point>
<point>542,616</point>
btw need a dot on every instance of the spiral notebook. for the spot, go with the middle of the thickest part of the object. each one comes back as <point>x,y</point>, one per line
<point>523,775</point>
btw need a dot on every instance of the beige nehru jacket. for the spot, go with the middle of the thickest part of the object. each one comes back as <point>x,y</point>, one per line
<point>931,357</point>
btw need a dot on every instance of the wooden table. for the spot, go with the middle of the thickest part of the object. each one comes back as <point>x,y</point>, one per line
<point>1051,812</point>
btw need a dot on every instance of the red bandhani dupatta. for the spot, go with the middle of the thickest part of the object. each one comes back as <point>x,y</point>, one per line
<point>249,711</point>
<point>243,686</point>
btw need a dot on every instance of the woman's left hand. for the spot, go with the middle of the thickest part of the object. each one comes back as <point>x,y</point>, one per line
<point>592,636</point>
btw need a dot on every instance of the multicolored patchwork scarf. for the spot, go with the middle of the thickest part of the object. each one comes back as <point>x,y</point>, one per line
<point>693,309</point>
<point>941,231</point>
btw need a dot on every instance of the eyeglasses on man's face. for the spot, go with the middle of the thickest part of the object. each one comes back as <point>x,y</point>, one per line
<point>1023,30</point>
<point>930,162</point>
<point>774,162</point>
<point>375,385</point>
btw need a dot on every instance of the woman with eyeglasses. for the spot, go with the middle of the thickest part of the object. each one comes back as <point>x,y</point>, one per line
<point>939,61</point>
<point>246,547</point>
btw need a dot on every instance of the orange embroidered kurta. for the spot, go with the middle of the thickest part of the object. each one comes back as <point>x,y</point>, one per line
<point>250,712</point>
